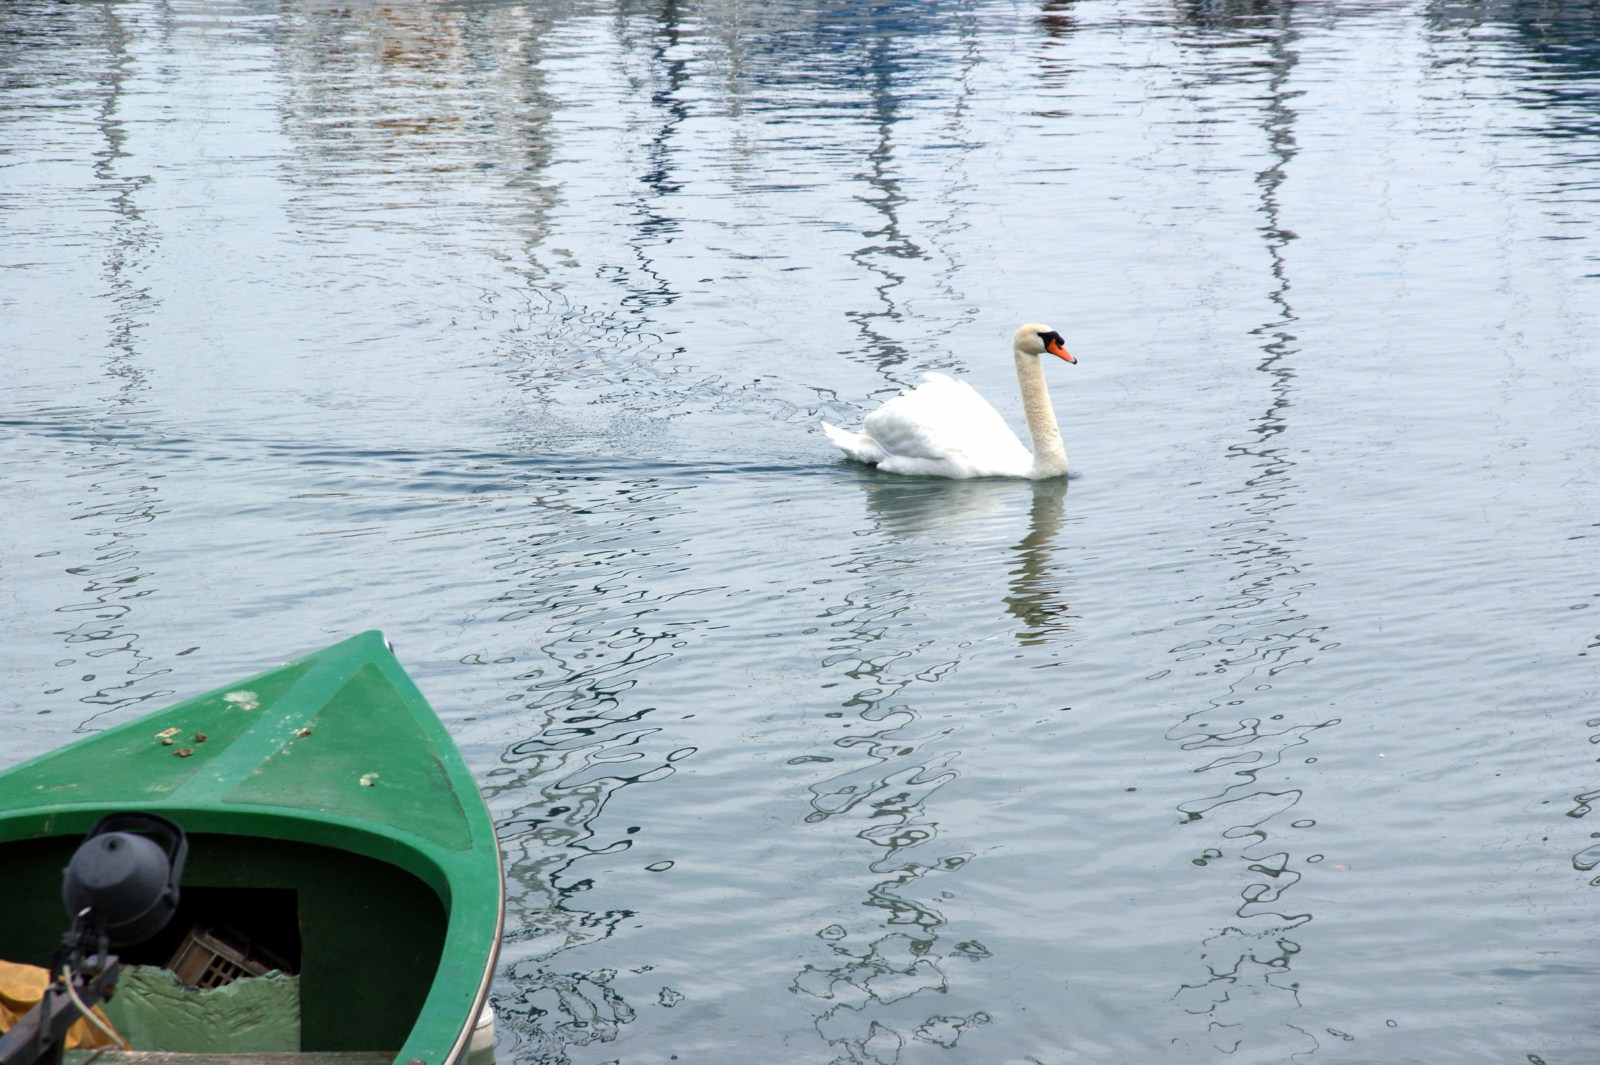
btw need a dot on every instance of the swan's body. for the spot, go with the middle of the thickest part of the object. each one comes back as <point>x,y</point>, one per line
<point>943,428</point>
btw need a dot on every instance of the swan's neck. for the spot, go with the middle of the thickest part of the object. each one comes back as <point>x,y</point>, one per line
<point>1049,455</point>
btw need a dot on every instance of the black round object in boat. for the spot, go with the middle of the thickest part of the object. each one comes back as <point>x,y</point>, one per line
<point>123,880</point>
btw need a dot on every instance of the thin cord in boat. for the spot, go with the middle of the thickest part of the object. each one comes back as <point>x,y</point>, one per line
<point>90,1015</point>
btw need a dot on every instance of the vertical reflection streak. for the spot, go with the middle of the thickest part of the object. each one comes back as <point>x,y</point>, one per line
<point>584,584</point>
<point>889,242</point>
<point>870,991</point>
<point>662,85</point>
<point>879,982</point>
<point>1260,631</point>
<point>121,496</point>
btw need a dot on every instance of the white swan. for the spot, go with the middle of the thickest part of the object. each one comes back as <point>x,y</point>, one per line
<point>943,428</point>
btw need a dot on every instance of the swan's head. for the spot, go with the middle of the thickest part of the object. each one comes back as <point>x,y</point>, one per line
<point>1036,339</point>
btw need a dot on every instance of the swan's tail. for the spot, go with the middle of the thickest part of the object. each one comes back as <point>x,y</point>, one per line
<point>858,446</point>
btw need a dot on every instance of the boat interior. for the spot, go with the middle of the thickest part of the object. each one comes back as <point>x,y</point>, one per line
<point>353,928</point>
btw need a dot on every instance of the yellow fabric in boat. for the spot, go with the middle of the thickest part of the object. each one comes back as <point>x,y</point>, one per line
<point>21,988</point>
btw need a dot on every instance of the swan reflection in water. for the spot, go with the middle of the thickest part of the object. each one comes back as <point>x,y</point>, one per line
<point>1037,583</point>
<point>879,991</point>
<point>978,511</point>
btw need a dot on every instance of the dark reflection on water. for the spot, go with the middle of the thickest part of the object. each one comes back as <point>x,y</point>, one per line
<point>1260,629</point>
<point>589,740</point>
<point>117,503</point>
<point>1557,42</point>
<point>114,498</point>
<point>879,985</point>
<point>884,794</point>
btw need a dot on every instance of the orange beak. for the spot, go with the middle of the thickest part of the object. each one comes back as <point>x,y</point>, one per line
<point>1054,347</point>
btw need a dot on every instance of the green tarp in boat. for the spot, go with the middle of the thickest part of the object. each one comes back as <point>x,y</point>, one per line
<point>154,1011</point>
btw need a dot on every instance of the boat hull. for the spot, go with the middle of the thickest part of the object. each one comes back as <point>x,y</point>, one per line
<point>328,811</point>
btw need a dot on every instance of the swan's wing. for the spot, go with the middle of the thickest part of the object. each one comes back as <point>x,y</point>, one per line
<point>944,427</point>
<point>858,446</point>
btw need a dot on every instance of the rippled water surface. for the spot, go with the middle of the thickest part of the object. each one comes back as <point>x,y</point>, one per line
<point>506,328</point>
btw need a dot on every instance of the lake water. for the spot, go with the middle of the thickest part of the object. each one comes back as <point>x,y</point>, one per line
<point>507,328</point>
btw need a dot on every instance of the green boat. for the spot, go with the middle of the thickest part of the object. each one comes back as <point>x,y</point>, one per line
<point>333,833</point>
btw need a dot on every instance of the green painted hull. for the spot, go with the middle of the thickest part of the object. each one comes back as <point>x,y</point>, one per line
<point>324,803</point>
